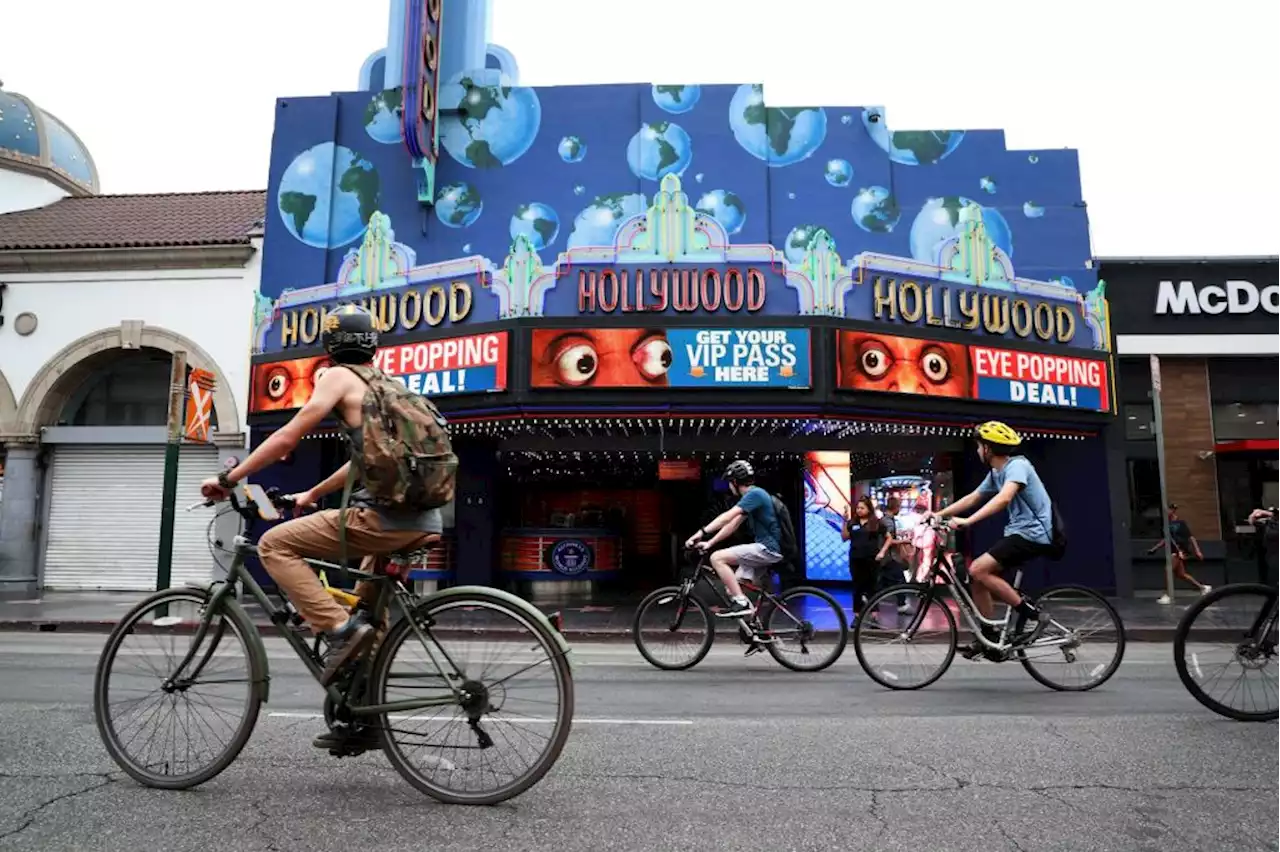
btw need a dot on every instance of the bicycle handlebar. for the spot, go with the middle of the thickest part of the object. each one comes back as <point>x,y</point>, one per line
<point>241,506</point>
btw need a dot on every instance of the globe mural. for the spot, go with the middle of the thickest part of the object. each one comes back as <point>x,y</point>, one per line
<point>779,136</point>
<point>458,205</point>
<point>327,195</point>
<point>798,242</point>
<point>676,99</point>
<point>572,149</point>
<point>910,147</point>
<point>382,117</point>
<point>498,122</point>
<point>658,149</point>
<point>839,172</point>
<point>940,219</point>
<point>537,223</point>
<point>598,224</point>
<point>875,210</point>
<point>725,207</point>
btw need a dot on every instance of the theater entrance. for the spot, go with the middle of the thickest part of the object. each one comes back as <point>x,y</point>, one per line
<point>613,523</point>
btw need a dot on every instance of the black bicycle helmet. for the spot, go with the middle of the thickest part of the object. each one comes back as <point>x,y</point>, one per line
<point>350,335</point>
<point>740,471</point>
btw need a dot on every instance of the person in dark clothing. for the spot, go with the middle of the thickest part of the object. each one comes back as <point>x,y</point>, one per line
<point>867,544</point>
<point>1183,543</point>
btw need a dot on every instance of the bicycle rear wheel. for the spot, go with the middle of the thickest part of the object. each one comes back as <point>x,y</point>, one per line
<point>905,637</point>
<point>523,705</point>
<point>667,618</point>
<point>1225,652</point>
<point>806,619</point>
<point>1084,652</point>
<point>141,715</point>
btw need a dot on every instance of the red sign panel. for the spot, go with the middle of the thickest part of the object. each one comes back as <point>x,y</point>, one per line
<point>675,470</point>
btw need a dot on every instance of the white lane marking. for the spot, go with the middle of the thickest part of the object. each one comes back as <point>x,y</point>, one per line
<point>533,720</point>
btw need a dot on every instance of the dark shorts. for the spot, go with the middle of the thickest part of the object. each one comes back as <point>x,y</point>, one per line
<point>1014,550</point>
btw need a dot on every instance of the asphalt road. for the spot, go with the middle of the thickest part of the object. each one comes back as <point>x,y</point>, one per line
<point>735,754</point>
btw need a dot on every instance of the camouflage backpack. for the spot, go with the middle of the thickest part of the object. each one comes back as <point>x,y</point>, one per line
<point>407,462</point>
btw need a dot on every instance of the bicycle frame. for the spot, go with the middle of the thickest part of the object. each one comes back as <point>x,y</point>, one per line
<point>223,590</point>
<point>705,575</point>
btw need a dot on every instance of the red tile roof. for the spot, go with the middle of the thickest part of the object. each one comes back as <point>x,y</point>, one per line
<point>136,221</point>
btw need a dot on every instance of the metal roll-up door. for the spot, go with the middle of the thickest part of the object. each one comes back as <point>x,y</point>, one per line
<point>104,517</point>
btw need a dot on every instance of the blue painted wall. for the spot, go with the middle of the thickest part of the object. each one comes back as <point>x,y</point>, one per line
<point>566,165</point>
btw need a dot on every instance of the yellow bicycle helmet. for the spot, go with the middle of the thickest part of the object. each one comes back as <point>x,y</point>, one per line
<point>995,432</point>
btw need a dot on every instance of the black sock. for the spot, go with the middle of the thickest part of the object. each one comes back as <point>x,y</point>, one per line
<point>1026,608</point>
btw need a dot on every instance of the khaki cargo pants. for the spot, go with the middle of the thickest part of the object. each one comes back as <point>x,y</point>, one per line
<point>315,536</point>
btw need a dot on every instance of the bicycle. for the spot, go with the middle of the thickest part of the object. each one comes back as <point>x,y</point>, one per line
<point>928,624</point>
<point>1252,649</point>
<point>797,625</point>
<point>217,632</point>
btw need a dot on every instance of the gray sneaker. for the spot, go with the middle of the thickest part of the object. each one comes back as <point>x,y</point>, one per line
<point>345,643</point>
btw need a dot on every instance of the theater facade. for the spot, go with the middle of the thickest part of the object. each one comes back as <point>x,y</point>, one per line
<point>612,291</point>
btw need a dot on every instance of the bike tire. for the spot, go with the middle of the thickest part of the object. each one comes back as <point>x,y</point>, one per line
<point>563,722</point>
<point>691,600</point>
<point>924,591</point>
<point>796,591</point>
<point>1082,591</point>
<point>247,634</point>
<point>1183,632</point>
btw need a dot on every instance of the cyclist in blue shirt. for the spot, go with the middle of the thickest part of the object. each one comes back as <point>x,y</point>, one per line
<point>1013,484</point>
<point>743,561</point>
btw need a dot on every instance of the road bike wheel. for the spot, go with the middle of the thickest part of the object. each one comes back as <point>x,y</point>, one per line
<point>465,637</point>
<point>1090,643</point>
<point>169,618</point>
<point>807,618</point>
<point>910,622</point>
<point>668,616</point>
<point>1232,627</point>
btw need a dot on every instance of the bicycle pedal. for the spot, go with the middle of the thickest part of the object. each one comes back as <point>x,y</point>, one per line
<point>754,649</point>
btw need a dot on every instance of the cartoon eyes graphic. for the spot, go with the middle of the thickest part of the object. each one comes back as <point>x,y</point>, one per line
<point>875,360</point>
<point>277,383</point>
<point>652,358</point>
<point>576,363</point>
<point>935,364</point>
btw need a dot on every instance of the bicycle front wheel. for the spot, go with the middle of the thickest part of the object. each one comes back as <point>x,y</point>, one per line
<point>1082,644</point>
<point>807,628</point>
<point>504,694</point>
<point>905,637</point>
<point>672,630</point>
<point>1225,652</point>
<point>177,732</point>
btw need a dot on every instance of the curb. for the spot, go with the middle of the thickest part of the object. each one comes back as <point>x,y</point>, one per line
<point>1136,634</point>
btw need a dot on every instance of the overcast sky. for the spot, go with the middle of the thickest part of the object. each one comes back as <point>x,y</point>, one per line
<point>1173,107</point>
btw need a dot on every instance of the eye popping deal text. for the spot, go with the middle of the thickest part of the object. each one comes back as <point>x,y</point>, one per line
<point>751,354</point>
<point>1046,379</point>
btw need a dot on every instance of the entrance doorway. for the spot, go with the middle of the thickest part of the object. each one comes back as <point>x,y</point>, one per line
<point>622,515</point>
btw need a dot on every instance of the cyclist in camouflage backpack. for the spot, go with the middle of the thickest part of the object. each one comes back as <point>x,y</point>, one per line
<point>406,469</point>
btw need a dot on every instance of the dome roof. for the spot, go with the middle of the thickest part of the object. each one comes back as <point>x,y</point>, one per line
<point>32,140</point>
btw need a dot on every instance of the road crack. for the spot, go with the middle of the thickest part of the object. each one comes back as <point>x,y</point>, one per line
<point>29,817</point>
<point>258,826</point>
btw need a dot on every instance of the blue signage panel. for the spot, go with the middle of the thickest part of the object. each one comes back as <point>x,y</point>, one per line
<point>570,557</point>
<point>741,357</point>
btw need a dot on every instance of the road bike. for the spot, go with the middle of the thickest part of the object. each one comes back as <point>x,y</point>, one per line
<point>1211,645</point>
<point>915,618</point>
<point>422,664</point>
<point>789,625</point>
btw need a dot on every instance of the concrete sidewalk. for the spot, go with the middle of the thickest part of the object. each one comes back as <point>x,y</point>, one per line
<point>97,612</point>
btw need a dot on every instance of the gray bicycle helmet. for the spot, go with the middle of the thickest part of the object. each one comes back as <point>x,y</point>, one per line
<point>740,471</point>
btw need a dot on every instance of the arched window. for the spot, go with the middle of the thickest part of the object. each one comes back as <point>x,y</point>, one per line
<point>129,390</point>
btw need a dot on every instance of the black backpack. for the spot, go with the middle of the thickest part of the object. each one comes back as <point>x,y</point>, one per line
<point>1058,533</point>
<point>787,544</point>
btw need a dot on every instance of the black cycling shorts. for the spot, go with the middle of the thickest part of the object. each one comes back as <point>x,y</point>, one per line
<point>1014,550</point>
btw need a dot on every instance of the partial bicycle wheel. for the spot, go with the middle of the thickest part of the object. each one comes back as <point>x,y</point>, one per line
<point>515,708</point>
<point>673,630</point>
<point>1225,652</point>
<point>808,628</point>
<point>1082,643</point>
<point>905,637</point>
<point>176,733</point>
